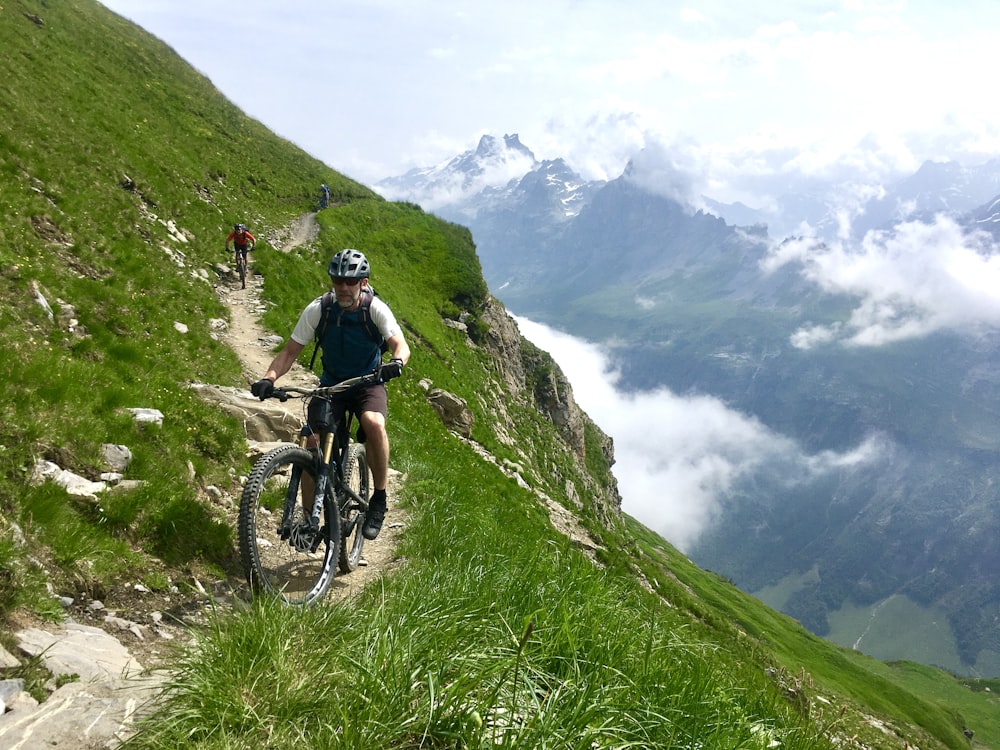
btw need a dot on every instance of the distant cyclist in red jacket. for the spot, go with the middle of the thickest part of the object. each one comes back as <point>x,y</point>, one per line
<point>242,240</point>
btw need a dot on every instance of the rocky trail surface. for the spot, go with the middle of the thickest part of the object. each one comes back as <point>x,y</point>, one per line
<point>121,649</point>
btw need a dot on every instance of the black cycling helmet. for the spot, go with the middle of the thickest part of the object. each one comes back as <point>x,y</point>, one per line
<point>349,264</point>
<point>240,228</point>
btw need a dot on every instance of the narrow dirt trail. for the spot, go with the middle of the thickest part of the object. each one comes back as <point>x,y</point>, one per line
<point>246,336</point>
<point>145,628</point>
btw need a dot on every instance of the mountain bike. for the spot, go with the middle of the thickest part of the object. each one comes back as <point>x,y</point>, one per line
<point>303,509</point>
<point>241,267</point>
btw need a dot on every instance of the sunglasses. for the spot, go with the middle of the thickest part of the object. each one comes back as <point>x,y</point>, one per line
<point>347,282</point>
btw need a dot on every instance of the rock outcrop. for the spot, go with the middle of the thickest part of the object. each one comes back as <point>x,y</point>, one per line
<point>453,410</point>
<point>263,420</point>
<point>100,691</point>
<point>531,374</point>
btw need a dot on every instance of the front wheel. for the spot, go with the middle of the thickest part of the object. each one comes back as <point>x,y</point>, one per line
<point>353,514</point>
<point>281,554</point>
<point>241,266</point>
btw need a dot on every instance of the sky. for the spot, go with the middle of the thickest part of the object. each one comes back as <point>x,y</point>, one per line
<point>376,87</point>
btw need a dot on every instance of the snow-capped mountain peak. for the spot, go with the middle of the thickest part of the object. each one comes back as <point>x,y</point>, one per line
<point>493,163</point>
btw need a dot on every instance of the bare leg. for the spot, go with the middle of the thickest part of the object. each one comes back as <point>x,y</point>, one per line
<point>377,450</point>
<point>376,447</point>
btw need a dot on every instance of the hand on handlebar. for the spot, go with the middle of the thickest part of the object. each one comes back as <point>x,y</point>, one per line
<point>263,388</point>
<point>391,369</point>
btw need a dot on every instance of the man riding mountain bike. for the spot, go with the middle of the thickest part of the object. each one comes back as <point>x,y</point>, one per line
<point>243,241</point>
<point>352,334</point>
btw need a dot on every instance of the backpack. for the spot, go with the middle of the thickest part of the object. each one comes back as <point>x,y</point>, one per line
<point>329,303</point>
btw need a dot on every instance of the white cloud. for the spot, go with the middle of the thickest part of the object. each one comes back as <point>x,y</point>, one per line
<point>597,145</point>
<point>669,171</point>
<point>679,458</point>
<point>918,279</point>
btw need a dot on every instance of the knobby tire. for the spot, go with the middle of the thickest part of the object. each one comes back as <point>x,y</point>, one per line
<point>241,266</point>
<point>352,515</point>
<point>273,565</point>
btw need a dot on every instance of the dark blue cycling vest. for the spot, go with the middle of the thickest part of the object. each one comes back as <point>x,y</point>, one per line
<point>348,350</point>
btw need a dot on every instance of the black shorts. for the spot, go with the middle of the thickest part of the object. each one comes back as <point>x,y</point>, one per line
<point>324,414</point>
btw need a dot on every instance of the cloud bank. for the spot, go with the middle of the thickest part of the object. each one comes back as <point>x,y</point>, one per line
<point>913,281</point>
<point>678,459</point>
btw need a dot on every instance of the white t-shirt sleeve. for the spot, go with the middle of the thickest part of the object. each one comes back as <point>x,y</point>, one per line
<point>382,317</point>
<point>305,329</point>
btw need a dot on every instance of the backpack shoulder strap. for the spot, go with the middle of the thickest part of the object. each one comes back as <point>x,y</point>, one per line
<point>326,306</point>
<point>366,319</point>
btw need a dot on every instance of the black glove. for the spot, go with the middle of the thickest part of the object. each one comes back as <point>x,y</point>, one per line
<point>262,388</point>
<point>392,369</point>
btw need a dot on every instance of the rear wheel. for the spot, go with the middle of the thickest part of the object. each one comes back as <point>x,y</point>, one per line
<point>287,560</point>
<point>353,515</point>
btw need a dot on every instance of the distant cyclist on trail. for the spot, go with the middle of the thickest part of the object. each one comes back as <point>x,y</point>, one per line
<point>324,198</point>
<point>242,240</point>
<point>352,339</point>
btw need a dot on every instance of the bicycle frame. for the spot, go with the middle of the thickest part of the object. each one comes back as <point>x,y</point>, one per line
<point>330,460</point>
<point>330,456</point>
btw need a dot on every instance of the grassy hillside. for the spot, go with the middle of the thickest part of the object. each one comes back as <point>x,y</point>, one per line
<point>122,173</point>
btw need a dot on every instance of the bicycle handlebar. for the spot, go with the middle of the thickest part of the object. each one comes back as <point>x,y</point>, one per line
<point>294,391</point>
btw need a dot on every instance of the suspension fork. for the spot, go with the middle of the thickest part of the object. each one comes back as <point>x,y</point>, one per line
<point>295,481</point>
<point>322,480</point>
<point>292,494</point>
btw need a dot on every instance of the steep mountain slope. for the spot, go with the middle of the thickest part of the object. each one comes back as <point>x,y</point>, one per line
<point>688,304</point>
<point>116,221</point>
